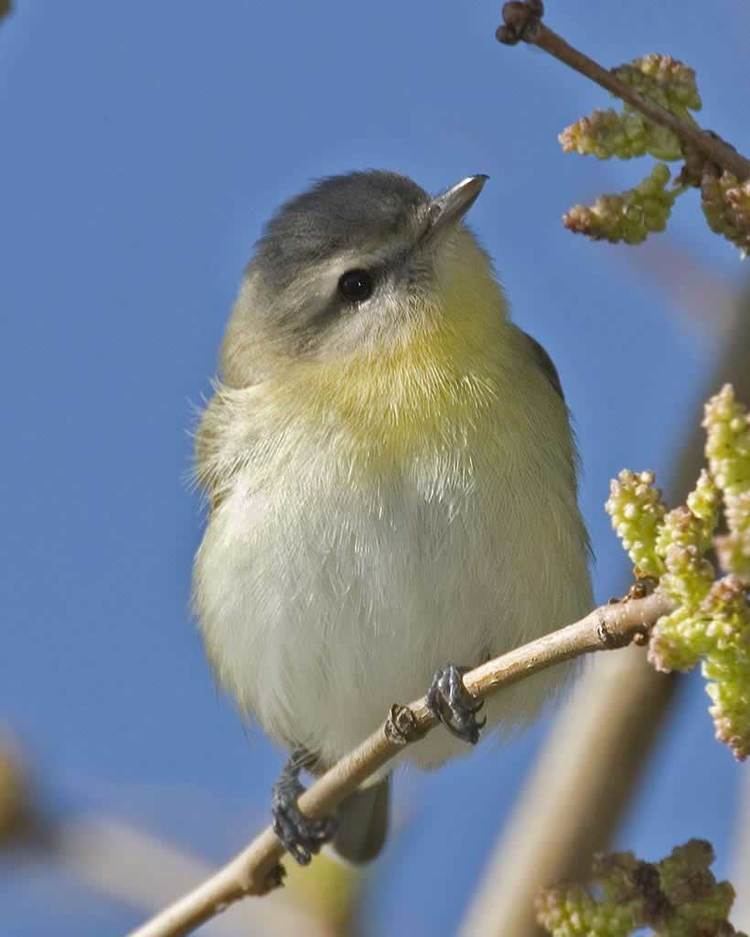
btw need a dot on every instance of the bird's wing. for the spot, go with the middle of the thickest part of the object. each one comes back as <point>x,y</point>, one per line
<point>545,363</point>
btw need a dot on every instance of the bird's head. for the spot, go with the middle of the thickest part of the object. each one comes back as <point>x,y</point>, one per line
<point>359,267</point>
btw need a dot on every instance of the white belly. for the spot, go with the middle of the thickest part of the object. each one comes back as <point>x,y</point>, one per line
<point>325,600</point>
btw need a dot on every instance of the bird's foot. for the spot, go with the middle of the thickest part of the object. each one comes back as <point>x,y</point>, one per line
<point>453,705</point>
<point>301,836</point>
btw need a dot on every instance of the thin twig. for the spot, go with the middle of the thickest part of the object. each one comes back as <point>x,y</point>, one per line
<point>255,870</point>
<point>105,854</point>
<point>523,23</point>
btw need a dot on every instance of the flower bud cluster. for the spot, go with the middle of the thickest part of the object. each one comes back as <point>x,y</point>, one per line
<point>633,215</point>
<point>726,205</point>
<point>711,619</point>
<point>676,897</point>
<point>726,666</point>
<point>664,80</point>
<point>627,133</point>
<point>609,133</point>
<point>572,912</point>
<point>727,425</point>
<point>629,216</point>
<point>637,511</point>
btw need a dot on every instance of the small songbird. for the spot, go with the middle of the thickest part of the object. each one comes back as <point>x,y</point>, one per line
<point>391,479</point>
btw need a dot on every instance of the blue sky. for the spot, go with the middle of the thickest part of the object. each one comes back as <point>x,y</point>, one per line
<point>143,146</point>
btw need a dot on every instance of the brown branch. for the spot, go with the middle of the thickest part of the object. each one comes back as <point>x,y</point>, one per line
<point>255,870</point>
<point>138,869</point>
<point>523,23</point>
<point>740,868</point>
<point>21,822</point>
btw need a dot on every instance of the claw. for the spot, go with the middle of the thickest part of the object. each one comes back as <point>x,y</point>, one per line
<point>302,836</point>
<point>453,705</point>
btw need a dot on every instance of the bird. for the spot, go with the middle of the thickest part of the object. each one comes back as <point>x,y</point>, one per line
<point>391,485</point>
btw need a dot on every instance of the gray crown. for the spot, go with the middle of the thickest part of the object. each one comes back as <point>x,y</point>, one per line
<point>339,212</point>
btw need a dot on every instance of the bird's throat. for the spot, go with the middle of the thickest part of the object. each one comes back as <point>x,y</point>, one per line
<point>433,389</point>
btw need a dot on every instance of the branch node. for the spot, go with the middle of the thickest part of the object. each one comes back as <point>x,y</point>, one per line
<point>401,726</point>
<point>275,878</point>
<point>642,587</point>
<point>609,639</point>
<point>521,21</point>
<point>697,165</point>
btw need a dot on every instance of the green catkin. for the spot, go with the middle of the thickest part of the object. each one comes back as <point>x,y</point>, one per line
<point>629,216</point>
<point>710,623</point>
<point>676,897</point>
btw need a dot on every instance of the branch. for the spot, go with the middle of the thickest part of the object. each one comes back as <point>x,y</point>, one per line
<point>103,853</point>
<point>523,23</point>
<point>21,823</point>
<point>741,860</point>
<point>255,871</point>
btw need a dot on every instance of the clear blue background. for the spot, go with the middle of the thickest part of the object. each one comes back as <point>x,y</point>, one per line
<point>142,146</point>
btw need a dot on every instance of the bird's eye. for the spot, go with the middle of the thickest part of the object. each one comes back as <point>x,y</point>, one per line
<point>356,285</point>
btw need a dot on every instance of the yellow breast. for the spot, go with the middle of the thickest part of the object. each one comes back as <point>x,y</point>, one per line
<point>433,386</point>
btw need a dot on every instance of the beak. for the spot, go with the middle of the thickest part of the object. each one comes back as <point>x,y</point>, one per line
<point>450,206</point>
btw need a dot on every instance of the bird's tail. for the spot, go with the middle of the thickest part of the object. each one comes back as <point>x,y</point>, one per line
<point>363,823</point>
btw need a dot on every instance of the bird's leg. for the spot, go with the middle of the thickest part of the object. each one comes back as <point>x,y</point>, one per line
<point>302,836</point>
<point>453,705</point>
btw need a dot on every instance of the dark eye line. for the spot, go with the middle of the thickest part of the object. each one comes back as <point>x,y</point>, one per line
<point>332,311</point>
<point>308,331</point>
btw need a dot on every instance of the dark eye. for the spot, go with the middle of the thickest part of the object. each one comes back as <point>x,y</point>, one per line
<point>355,285</point>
